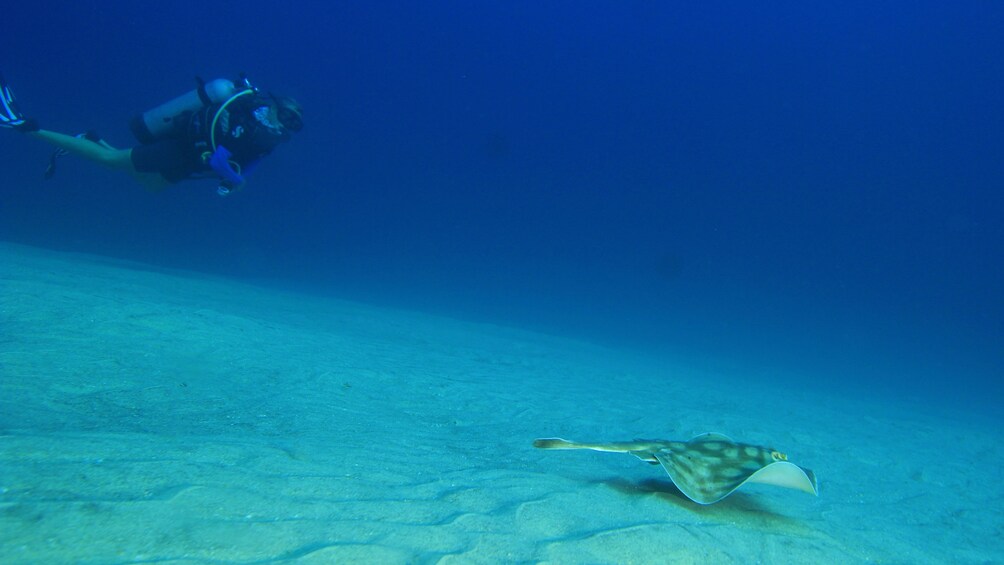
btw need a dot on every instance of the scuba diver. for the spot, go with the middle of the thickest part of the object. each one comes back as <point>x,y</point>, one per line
<point>220,130</point>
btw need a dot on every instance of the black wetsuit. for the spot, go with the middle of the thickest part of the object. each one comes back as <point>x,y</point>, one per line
<point>184,153</point>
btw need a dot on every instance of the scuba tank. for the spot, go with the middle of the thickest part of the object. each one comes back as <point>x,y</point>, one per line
<point>159,122</point>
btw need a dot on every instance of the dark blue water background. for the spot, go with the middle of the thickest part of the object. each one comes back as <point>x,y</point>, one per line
<point>804,191</point>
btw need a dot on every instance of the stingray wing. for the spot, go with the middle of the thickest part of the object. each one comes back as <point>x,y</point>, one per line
<point>710,467</point>
<point>787,475</point>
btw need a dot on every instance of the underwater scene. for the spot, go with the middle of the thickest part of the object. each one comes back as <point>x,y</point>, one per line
<point>501,282</point>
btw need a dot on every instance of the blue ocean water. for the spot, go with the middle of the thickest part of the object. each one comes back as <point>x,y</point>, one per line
<point>796,191</point>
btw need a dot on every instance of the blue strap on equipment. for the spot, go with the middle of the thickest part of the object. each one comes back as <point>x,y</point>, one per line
<point>220,162</point>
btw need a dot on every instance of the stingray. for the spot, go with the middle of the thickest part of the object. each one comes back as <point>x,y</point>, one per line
<point>709,467</point>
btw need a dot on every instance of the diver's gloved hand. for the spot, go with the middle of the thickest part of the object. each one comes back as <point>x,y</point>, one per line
<point>220,162</point>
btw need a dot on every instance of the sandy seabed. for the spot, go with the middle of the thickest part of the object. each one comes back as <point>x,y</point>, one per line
<point>152,416</point>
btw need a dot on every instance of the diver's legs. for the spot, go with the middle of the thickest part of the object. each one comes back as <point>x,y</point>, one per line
<point>102,153</point>
<point>97,151</point>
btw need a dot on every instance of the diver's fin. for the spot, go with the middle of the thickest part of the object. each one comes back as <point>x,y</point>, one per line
<point>10,116</point>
